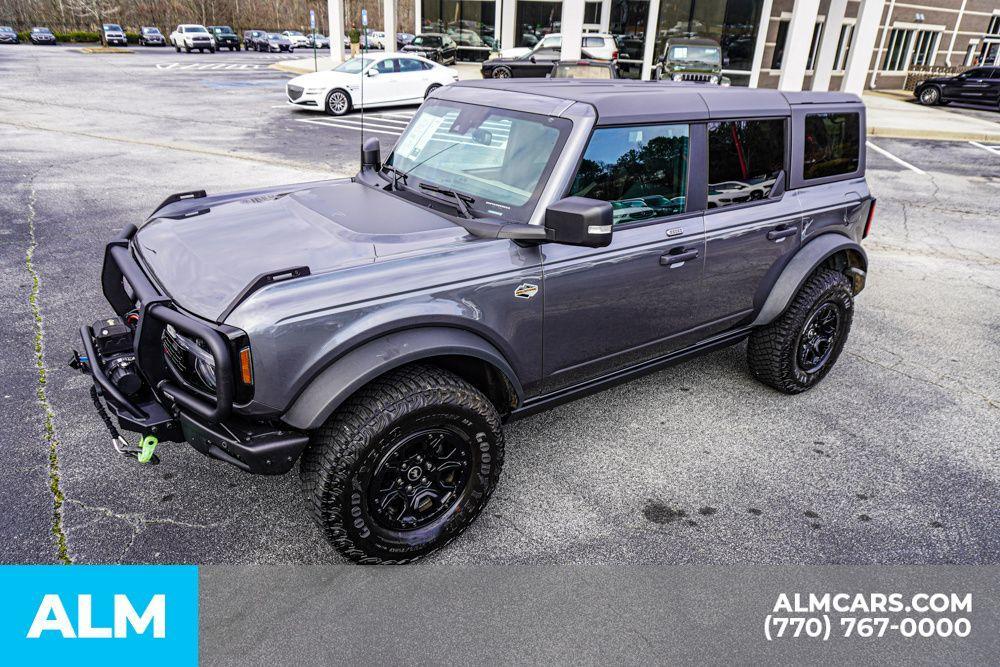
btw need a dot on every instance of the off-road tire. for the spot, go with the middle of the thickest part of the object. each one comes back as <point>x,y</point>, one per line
<point>346,452</point>
<point>772,351</point>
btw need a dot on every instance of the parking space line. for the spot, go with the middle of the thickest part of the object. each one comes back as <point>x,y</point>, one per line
<point>990,149</point>
<point>895,159</point>
<point>333,123</point>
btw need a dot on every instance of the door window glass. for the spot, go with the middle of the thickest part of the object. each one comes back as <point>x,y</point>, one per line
<point>642,171</point>
<point>385,66</point>
<point>409,65</point>
<point>744,158</point>
<point>832,144</point>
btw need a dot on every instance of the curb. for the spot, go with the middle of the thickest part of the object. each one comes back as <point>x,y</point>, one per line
<point>939,135</point>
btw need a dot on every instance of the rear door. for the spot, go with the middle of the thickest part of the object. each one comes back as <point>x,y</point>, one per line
<point>752,226</point>
<point>637,299</point>
<point>413,78</point>
<point>971,86</point>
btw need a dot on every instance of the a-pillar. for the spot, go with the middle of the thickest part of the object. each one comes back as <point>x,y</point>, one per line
<point>335,12</point>
<point>823,66</point>
<point>862,45</point>
<point>797,44</point>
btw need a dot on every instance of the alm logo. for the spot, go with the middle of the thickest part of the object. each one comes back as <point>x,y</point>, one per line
<point>51,617</point>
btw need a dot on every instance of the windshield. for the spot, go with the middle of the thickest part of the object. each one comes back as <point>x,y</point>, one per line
<point>224,30</point>
<point>353,66</point>
<point>426,41</point>
<point>695,54</point>
<point>151,31</point>
<point>497,156</point>
<point>294,33</point>
<point>112,27</point>
<point>6,28</point>
<point>42,30</point>
<point>194,28</point>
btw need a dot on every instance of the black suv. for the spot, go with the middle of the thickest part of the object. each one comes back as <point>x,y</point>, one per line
<point>975,86</point>
<point>434,46</point>
<point>524,244</point>
<point>224,37</point>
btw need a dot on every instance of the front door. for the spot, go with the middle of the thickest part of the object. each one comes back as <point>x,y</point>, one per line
<point>383,86</point>
<point>971,86</point>
<point>609,308</point>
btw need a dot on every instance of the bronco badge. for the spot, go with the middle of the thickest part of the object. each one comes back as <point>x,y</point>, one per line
<point>526,291</point>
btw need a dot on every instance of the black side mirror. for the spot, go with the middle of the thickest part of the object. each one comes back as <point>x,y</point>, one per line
<point>371,154</point>
<point>533,59</point>
<point>580,221</point>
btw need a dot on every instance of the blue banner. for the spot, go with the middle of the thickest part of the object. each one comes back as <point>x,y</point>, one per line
<point>84,614</point>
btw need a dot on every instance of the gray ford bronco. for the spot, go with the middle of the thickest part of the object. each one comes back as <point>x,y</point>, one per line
<point>524,244</point>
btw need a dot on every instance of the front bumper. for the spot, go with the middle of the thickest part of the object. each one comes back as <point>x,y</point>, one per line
<point>165,406</point>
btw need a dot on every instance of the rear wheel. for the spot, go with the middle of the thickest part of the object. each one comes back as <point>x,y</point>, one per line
<point>404,467</point>
<point>930,96</point>
<point>431,89</point>
<point>797,350</point>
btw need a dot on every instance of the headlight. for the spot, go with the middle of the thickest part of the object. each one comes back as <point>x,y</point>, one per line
<point>206,371</point>
<point>714,79</point>
<point>678,77</point>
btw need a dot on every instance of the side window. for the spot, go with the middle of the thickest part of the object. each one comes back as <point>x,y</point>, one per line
<point>832,144</point>
<point>409,65</point>
<point>593,41</point>
<point>642,171</point>
<point>744,159</point>
<point>385,66</point>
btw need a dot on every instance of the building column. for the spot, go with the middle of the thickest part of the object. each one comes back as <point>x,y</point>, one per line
<point>508,24</point>
<point>605,16</point>
<point>862,46</point>
<point>650,37</point>
<point>335,12</point>
<point>823,65</point>
<point>418,15</point>
<point>389,25</point>
<point>572,30</point>
<point>758,49</point>
<point>797,43</point>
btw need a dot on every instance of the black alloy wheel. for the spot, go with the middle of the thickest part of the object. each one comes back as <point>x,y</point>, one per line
<point>818,338</point>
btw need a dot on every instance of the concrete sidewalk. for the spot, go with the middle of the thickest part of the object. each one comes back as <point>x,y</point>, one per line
<point>896,114</point>
<point>893,114</point>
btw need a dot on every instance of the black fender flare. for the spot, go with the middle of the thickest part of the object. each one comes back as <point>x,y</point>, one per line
<point>338,381</point>
<point>808,258</point>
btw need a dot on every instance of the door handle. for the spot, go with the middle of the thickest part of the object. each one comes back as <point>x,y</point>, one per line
<point>781,233</point>
<point>671,259</point>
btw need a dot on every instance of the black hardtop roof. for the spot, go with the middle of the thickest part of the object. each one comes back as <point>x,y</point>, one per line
<point>619,101</point>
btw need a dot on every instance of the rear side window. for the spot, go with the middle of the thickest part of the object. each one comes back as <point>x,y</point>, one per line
<point>745,158</point>
<point>641,170</point>
<point>832,144</point>
<point>593,41</point>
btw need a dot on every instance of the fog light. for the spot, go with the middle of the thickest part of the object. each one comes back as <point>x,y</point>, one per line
<point>678,77</point>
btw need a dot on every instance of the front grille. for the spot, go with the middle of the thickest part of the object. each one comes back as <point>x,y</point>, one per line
<point>294,92</point>
<point>698,78</point>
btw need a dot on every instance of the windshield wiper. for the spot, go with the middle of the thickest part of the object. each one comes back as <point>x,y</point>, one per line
<point>461,201</point>
<point>397,175</point>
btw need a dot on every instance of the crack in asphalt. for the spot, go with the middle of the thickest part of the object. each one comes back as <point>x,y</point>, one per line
<point>962,387</point>
<point>55,485</point>
<point>137,522</point>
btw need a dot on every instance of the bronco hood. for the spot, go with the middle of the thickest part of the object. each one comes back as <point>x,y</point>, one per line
<point>204,252</point>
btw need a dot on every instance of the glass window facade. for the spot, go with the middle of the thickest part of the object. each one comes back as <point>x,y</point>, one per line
<point>470,23</point>
<point>731,23</point>
<point>628,25</point>
<point>535,20</point>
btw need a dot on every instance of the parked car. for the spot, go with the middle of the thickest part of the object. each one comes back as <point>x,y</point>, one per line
<point>8,35</point>
<point>273,42</point>
<point>434,46</point>
<point>318,40</point>
<point>692,59</point>
<point>980,85</point>
<point>296,38</point>
<point>402,39</point>
<point>250,38</point>
<point>40,35</point>
<point>114,35</point>
<point>224,37</point>
<point>599,46</point>
<point>190,36</point>
<point>537,63</point>
<point>382,328</point>
<point>584,69</point>
<point>388,80</point>
<point>151,36</point>
<point>375,39</point>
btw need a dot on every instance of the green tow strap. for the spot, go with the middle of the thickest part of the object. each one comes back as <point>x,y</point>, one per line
<point>148,445</point>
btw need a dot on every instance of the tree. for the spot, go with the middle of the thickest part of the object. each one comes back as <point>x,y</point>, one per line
<point>94,9</point>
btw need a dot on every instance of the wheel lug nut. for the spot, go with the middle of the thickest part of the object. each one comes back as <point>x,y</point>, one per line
<point>423,480</point>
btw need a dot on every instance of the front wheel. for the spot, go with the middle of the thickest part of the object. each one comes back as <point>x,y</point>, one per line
<point>502,72</point>
<point>337,103</point>
<point>794,352</point>
<point>930,96</point>
<point>404,467</point>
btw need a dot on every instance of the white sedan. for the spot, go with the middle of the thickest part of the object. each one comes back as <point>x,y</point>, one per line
<point>388,80</point>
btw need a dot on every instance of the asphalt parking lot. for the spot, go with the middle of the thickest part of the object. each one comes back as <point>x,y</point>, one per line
<point>895,458</point>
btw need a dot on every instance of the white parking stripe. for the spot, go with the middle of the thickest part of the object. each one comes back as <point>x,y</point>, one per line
<point>991,149</point>
<point>334,123</point>
<point>355,122</point>
<point>895,159</point>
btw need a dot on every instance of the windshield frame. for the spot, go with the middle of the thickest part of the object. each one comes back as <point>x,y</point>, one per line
<point>483,207</point>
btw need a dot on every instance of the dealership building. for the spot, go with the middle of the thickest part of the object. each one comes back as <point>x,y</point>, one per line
<point>849,45</point>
